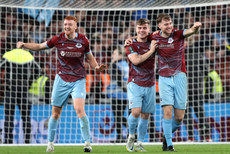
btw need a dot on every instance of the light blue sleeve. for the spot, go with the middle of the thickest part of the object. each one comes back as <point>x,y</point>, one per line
<point>184,31</point>
<point>47,45</point>
<point>88,52</point>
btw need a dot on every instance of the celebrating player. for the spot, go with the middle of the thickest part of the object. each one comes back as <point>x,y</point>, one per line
<point>72,47</point>
<point>172,74</point>
<point>141,84</point>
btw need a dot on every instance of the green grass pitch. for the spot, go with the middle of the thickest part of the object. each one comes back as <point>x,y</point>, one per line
<point>119,149</point>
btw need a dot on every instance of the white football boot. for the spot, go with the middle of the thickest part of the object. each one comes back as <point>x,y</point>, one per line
<point>130,143</point>
<point>50,147</point>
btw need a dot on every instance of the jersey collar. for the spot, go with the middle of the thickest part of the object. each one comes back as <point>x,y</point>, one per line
<point>76,35</point>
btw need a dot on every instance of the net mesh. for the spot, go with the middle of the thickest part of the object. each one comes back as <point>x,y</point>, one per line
<point>107,4</point>
<point>107,24</point>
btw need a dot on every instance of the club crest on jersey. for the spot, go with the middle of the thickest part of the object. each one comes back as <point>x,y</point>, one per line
<point>78,45</point>
<point>170,40</point>
<point>62,53</point>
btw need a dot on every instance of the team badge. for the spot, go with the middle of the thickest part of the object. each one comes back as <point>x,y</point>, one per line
<point>170,40</point>
<point>78,45</point>
<point>62,53</point>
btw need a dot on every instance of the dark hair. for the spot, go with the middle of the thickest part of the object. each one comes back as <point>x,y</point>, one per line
<point>143,21</point>
<point>163,16</point>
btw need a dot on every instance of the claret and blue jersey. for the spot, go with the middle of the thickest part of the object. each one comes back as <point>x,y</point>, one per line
<point>70,56</point>
<point>141,86</point>
<point>171,53</point>
<point>172,69</point>
<point>142,74</point>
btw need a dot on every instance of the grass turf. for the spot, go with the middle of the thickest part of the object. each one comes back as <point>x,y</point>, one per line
<point>118,149</point>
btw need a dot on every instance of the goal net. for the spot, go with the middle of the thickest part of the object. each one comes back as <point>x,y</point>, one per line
<point>26,81</point>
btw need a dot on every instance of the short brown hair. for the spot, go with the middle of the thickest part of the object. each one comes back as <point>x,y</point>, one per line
<point>71,18</point>
<point>143,21</point>
<point>163,16</point>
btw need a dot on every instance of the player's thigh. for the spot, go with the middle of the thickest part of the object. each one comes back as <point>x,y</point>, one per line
<point>149,102</point>
<point>135,94</point>
<point>180,89</point>
<point>79,89</point>
<point>79,106</point>
<point>60,93</point>
<point>78,94</point>
<point>166,91</point>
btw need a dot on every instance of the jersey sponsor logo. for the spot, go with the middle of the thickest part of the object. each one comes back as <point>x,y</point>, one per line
<point>166,46</point>
<point>78,45</point>
<point>70,54</point>
<point>170,40</point>
<point>70,47</point>
<point>131,49</point>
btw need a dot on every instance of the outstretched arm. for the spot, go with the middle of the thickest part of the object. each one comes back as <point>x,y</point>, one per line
<point>137,59</point>
<point>32,46</point>
<point>93,63</point>
<point>194,29</point>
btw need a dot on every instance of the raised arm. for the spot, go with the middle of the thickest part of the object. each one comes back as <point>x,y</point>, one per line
<point>32,46</point>
<point>194,29</point>
<point>137,59</point>
<point>93,63</point>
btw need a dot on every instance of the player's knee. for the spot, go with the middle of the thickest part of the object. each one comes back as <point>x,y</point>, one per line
<point>179,119</point>
<point>80,112</point>
<point>55,116</point>
<point>167,115</point>
<point>144,115</point>
<point>168,112</point>
<point>136,114</point>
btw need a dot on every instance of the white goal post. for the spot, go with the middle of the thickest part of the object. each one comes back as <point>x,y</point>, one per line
<point>107,24</point>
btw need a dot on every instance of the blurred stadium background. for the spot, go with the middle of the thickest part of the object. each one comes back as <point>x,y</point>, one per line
<point>107,24</point>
